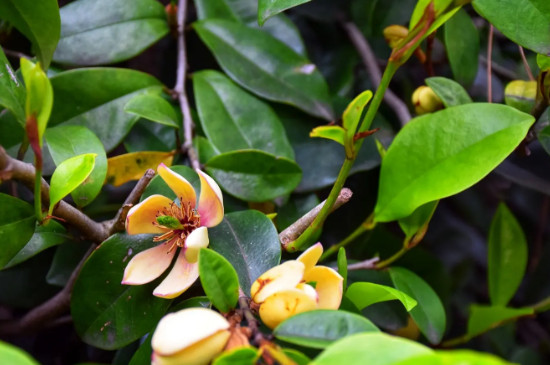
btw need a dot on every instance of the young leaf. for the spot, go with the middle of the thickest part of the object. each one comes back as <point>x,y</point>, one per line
<point>507,257</point>
<point>353,112</point>
<point>449,91</point>
<point>269,8</point>
<point>343,267</point>
<point>416,224</point>
<point>132,166</point>
<point>365,294</point>
<point>439,7</point>
<point>14,355</point>
<point>483,318</point>
<point>543,62</point>
<point>12,90</point>
<point>462,45</point>
<point>68,175</point>
<point>429,314</point>
<point>246,355</point>
<point>154,108</point>
<point>443,153</point>
<point>332,132</point>
<point>219,280</point>
<point>320,328</point>
<point>17,223</point>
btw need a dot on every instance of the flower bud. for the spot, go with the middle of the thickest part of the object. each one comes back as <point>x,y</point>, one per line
<point>425,100</point>
<point>395,34</point>
<point>521,95</point>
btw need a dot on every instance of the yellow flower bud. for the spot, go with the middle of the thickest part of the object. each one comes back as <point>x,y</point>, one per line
<point>395,34</point>
<point>521,94</point>
<point>425,100</point>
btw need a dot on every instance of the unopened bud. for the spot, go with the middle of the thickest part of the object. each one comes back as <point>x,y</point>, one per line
<point>521,95</point>
<point>395,34</point>
<point>425,100</point>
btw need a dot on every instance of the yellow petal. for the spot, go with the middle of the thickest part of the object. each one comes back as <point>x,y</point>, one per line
<point>310,256</point>
<point>179,185</point>
<point>147,265</point>
<point>328,286</point>
<point>195,241</point>
<point>181,277</point>
<point>210,201</point>
<point>281,277</point>
<point>284,304</point>
<point>141,217</point>
<point>308,290</point>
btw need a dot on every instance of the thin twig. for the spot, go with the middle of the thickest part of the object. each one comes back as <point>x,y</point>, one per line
<point>369,59</point>
<point>499,70</point>
<point>251,320</point>
<point>180,88</point>
<point>489,64</point>
<point>15,54</point>
<point>525,63</point>
<point>369,264</point>
<point>292,232</point>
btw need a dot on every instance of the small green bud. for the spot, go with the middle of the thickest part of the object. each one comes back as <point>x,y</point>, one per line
<point>169,221</point>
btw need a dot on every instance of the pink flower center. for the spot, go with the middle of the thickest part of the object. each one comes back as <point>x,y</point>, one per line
<point>179,221</point>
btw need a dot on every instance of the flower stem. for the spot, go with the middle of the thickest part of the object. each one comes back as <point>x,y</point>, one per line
<point>385,263</point>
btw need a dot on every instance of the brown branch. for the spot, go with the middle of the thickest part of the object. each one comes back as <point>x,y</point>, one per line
<point>180,88</point>
<point>369,59</point>
<point>369,264</point>
<point>499,70</point>
<point>292,232</point>
<point>526,64</point>
<point>15,54</point>
<point>251,320</point>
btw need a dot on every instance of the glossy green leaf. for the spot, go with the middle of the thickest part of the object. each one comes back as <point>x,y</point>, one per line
<point>95,98</point>
<point>354,111</point>
<point>254,175</point>
<point>462,45</point>
<point>363,294</point>
<point>269,8</point>
<point>69,175</point>
<point>247,355</point>
<point>230,117</point>
<point>417,223</point>
<point>526,22</point>
<point>483,318</point>
<point>154,108</point>
<point>147,136</point>
<point>219,280</point>
<point>296,356</point>
<point>107,314</point>
<point>320,328</point>
<point>343,266</point>
<point>370,348</point>
<point>13,355</point>
<point>507,257</point>
<point>96,32</point>
<point>456,357</point>
<point>246,12</point>
<point>65,260</point>
<point>543,62</point>
<point>12,90</point>
<point>45,236</point>
<point>429,314</point>
<point>249,241</point>
<point>332,132</point>
<point>243,54</point>
<point>17,222</point>
<point>443,153</point>
<point>449,91</point>
<point>38,21</point>
<point>67,141</point>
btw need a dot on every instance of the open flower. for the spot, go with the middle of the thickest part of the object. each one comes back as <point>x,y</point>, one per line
<point>191,336</point>
<point>179,225</point>
<point>297,286</point>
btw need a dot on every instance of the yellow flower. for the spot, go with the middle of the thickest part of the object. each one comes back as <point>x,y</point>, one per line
<point>425,100</point>
<point>179,225</point>
<point>297,286</point>
<point>191,336</point>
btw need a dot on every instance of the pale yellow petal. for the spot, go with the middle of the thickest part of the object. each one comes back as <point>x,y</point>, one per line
<point>181,277</point>
<point>281,277</point>
<point>141,217</point>
<point>200,353</point>
<point>284,304</point>
<point>210,201</point>
<point>147,265</point>
<point>179,185</point>
<point>328,284</point>
<point>309,291</point>
<point>179,330</point>
<point>310,256</point>
<point>195,241</point>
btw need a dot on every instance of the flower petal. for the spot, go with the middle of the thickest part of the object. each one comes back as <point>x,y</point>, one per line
<point>141,217</point>
<point>281,277</point>
<point>195,241</point>
<point>210,201</point>
<point>200,353</point>
<point>181,277</point>
<point>148,265</point>
<point>284,304</point>
<point>310,256</point>
<point>328,286</point>
<point>179,185</point>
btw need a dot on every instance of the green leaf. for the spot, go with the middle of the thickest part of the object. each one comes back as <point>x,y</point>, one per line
<point>96,32</point>
<point>107,314</point>
<point>154,108</point>
<point>229,117</point>
<point>296,356</point>
<point>320,328</point>
<point>254,175</point>
<point>507,257</point>
<point>12,90</point>
<point>343,266</point>
<point>95,98</point>
<point>456,357</point>
<point>443,153</point>
<point>69,175</point>
<point>462,45</point>
<point>247,355</point>
<point>449,91</point>
<point>332,132</point>
<point>65,260</point>
<point>364,294</point>
<point>543,62</point>
<point>483,318</point>
<point>242,53</point>
<point>17,222</point>
<point>68,141</point>
<point>354,111</point>
<point>219,280</point>
<point>14,355</point>
<point>38,21</point>
<point>269,8</point>
<point>526,22</point>
<point>439,7</point>
<point>429,314</point>
<point>371,349</point>
<point>417,223</point>
<point>45,236</point>
<point>249,241</point>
